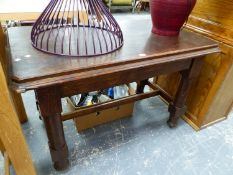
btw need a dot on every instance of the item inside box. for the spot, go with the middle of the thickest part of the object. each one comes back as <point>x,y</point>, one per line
<point>77,102</point>
<point>95,97</point>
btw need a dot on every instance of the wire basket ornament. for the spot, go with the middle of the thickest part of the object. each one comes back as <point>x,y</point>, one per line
<point>76,28</point>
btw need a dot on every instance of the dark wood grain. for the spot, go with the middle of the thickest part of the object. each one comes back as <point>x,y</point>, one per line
<point>162,93</point>
<point>141,85</point>
<point>143,55</point>
<point>49,101</point>
<point>177,107</point>
<point>30,65</point>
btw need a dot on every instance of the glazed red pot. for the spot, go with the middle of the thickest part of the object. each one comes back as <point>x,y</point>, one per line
<point>168,16</point>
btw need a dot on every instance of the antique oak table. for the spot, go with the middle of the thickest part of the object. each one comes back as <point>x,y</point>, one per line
<point>142,56</point>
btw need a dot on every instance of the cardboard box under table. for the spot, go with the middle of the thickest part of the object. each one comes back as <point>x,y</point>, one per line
<point>100,117</point>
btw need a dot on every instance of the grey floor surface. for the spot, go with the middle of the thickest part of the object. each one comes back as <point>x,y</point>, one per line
<point>140,145</point>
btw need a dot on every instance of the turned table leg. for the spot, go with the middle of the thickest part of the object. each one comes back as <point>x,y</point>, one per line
<point>177,108</point>
<point>49,102</point>
<point>140,86</point>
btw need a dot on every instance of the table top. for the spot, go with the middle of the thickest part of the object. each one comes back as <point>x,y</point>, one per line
<point>30,65</point>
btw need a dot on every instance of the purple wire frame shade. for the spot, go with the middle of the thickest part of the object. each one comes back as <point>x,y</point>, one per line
<point>76,28</point>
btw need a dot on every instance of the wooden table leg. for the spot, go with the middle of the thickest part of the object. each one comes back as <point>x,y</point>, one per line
<point>19,106</point>
<point>140,86</point>
<point>177,108</point>
<point>49,101</point>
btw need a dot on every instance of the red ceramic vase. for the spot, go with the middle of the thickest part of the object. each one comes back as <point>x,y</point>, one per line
<point>168,16</point>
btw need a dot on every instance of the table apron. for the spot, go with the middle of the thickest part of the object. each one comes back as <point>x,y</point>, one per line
<point>114,78</point>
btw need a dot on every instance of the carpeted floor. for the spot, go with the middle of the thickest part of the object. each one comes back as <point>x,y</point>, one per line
<point>140,145</point>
